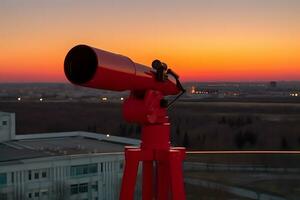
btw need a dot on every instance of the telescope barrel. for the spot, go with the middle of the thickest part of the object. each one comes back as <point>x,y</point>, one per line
<point>95,68</point>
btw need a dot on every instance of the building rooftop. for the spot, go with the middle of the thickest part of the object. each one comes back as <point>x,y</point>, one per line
<point>60,144</point>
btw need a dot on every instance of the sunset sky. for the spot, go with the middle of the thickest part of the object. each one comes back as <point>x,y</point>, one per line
<point>202,40</point>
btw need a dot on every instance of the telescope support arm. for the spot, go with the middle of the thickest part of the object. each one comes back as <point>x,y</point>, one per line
<point>145,108</point>
<point>162,164</point>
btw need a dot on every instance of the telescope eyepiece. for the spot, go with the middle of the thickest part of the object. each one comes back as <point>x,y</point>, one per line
<point>80,64</point>
<point>156,64</point>
<point>161,69</point>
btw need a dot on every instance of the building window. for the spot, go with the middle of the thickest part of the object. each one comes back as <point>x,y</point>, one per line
<point>12,177</point>
<point>74,189</point>
<point>36,194</point>
<point>3,196</point>
<point>36,175</point>
<point>95,187</point>
<point>44,174</point>
<point>3,179</point>
<point>84,169</point>
<point>29,175</point>
<point>93,168</point>
<point>83,188</point>
<point>30,195</point>
<point>101,167</point>
<point>4,123</point>
<point>44,193</point>
<point>121,165</point>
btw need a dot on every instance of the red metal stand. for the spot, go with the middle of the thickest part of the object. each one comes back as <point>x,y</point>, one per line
<point>162,164</point>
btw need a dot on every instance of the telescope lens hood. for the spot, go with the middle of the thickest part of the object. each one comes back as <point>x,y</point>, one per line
<point>80,64</point>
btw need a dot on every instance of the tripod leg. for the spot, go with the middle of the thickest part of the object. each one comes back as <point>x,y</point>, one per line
<point>147,191</point>
<point>177,185</point>
<point>163,183</point>
<point>132,157</point>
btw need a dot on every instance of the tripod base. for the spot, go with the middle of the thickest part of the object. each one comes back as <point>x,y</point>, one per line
<point>162,173</point>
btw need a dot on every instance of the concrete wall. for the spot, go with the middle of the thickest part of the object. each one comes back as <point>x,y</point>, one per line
<point>7,126</point>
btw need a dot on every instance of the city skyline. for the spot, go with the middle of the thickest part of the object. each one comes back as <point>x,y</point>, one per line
<point>201,40</point>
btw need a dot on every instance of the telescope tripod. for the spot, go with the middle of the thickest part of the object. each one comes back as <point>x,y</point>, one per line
<point>162,177</point>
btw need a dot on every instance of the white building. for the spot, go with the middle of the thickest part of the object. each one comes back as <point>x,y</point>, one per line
<point>7,126</point>
<point>57,166</point>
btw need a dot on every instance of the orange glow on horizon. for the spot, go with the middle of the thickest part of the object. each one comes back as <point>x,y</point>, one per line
<point>200,41</point>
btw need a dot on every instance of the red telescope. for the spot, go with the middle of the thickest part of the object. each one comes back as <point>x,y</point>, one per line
<point>95,68</point>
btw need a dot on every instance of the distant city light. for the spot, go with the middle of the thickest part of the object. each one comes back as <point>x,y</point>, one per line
<point>41,99</point>
<point>193,91</point>
<point>107,135</point>
<point>295,94</point>
<point>19,98</point>
<point>121,98</point>
<point>104,98</point>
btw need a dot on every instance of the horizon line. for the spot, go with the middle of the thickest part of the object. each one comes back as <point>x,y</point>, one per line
<point>192,81</point>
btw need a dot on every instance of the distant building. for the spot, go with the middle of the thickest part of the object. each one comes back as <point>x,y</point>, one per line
<point>68,165</point>
<point>273,84</point>
<point>195,92</point>
<point>7,126</point>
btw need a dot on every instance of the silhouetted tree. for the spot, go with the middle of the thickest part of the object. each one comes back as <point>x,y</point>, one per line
<point>187,120</point>
<point>130,130</point>
<point>186,142</point>
<point>239,140</point>
<point>222,120</point>
<point>177,130</point>
<point>138,129</point>
<point>249,120</point>
<point>122,130</point>
<point>284,143</point>
<point>231,122</point>
<point>201,138</point>
<point>94,128</point>
<point>250,137</point>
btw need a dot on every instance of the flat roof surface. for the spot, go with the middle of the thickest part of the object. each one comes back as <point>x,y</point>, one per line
<point>35,148</point>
